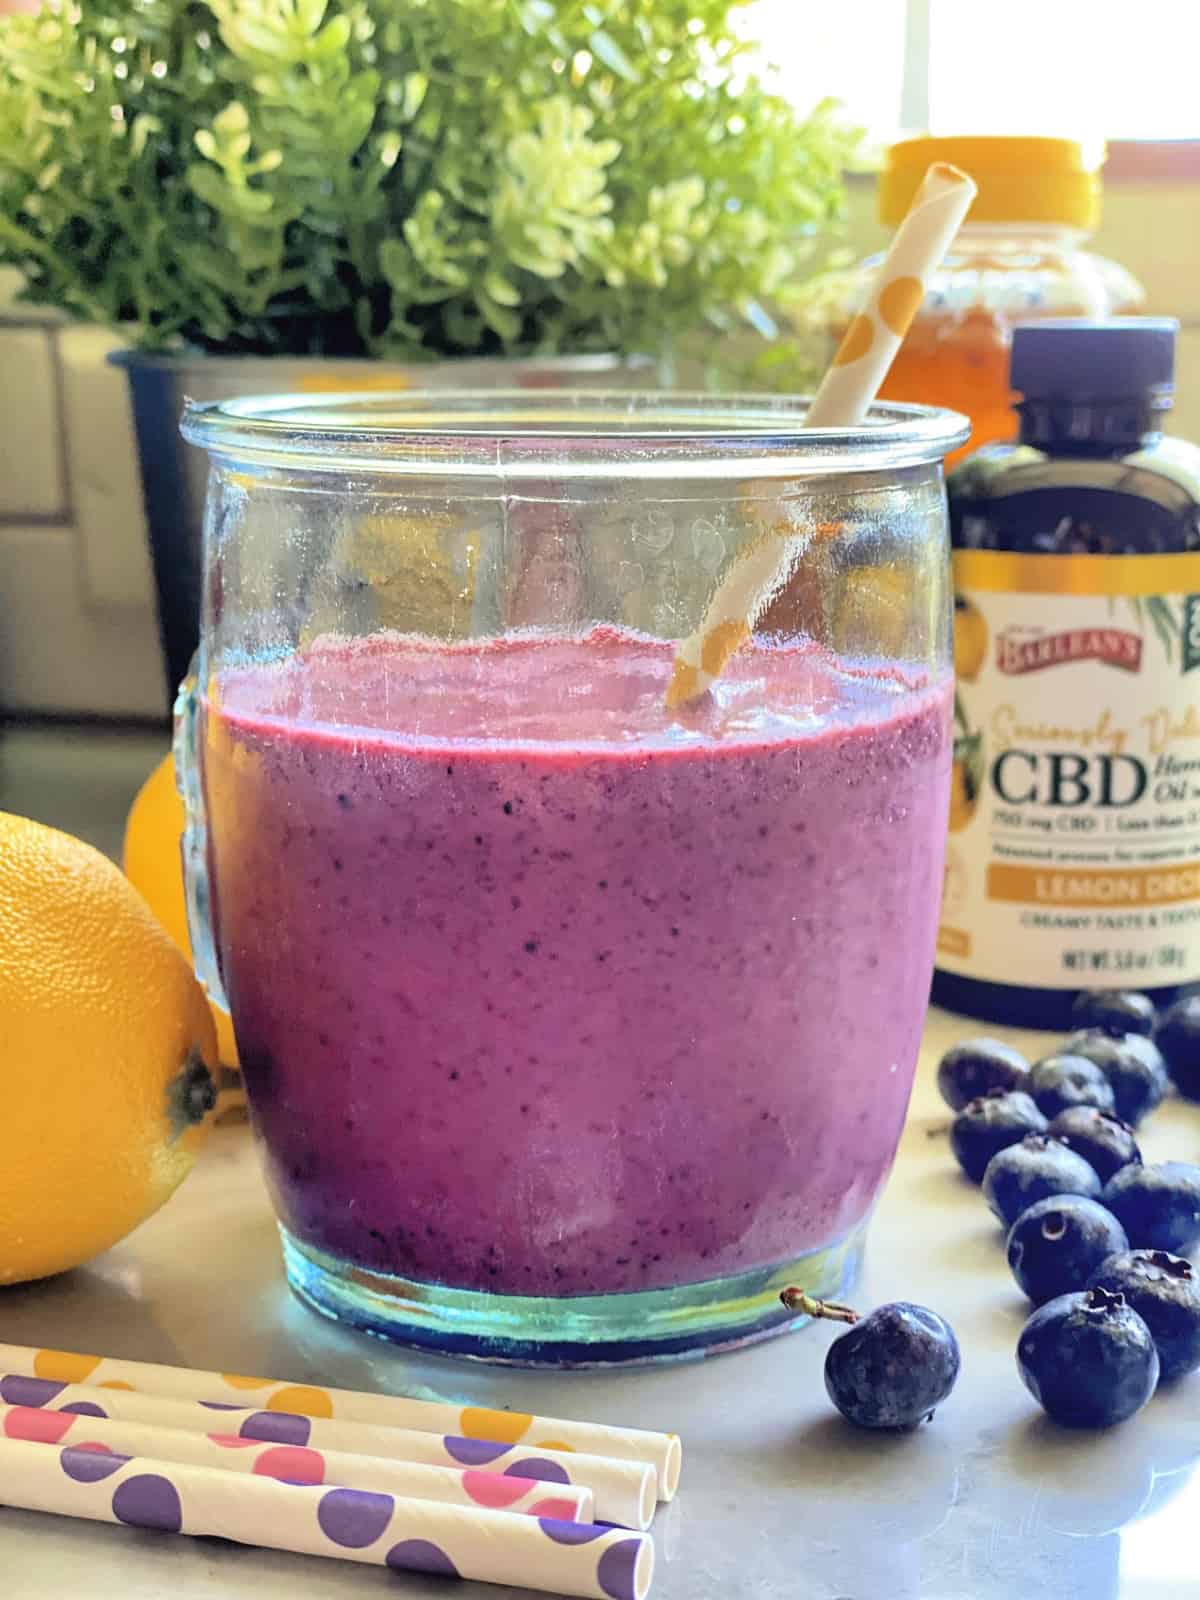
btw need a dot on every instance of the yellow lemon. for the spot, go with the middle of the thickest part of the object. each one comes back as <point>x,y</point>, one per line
<point>108,1059</point>
<point>153,865</point>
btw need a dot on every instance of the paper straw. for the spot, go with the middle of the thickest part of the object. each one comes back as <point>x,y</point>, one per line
<point>624,1490</point>
<point>843,399</point>
<point>661,1450</point>
<point>227,1452</point>
<point>872,338</point>
<point>383,1530</point>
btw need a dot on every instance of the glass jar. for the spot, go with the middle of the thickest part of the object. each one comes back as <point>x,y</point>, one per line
<point>173,477</point>
<point>573,1028</point>
<point>1019,256</point>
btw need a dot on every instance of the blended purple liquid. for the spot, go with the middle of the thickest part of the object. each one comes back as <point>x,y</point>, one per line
<point>541,989</point>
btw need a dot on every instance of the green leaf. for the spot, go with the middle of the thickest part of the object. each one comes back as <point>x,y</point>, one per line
<point>416,87</point>
<point>501,289</point>
<point>500,319</point>
<point>208,185</point>
<point>534,15</point>
<point>211,265</point>
<point>332,39</point>
<point>1165,623</point>
<point>396,261</point>
<point>310,14</point>
<point>605,48</point>
<point>1161,609</point>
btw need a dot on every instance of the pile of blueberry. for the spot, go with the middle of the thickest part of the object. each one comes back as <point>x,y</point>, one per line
<point>1096,1239</point>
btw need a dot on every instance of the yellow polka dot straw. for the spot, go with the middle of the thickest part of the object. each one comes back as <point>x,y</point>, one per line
<point>660,1451</point>
<point>869,345</point>
<point>843,399</point>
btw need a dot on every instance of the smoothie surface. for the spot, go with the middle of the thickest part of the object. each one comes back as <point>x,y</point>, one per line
<point>606,687</point>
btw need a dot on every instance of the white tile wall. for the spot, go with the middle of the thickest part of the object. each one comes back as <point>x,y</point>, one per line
<point>58,654</point>
<point>78,631</point>
<point>106,495</point>
<point>31,471</point>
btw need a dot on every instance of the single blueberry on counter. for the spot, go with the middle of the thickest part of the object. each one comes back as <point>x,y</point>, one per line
<point>1164,1290</point>
<point>1088,1359</point>
<point>1056,1245</point>
<point>1035,1169</point>
<point>892,1368</point>
<point>1158,1206</point>
<point>1059,1081</point>
<point>1105,1142</point>
<point>1178,1038</point>
<point>976,1067</point>
<point>1133,1065</point>
<point>1115,1010</point>
<point>990,1124</point>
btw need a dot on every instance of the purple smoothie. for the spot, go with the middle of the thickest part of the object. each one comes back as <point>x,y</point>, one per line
<point>541,989</point>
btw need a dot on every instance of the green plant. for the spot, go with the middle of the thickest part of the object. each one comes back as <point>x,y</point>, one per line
<point>406,178</point>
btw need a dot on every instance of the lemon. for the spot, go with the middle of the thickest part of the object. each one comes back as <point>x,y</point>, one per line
<point>108,1055</point>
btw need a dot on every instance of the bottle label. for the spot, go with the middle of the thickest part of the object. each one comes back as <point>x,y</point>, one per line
<point>1074,851</point>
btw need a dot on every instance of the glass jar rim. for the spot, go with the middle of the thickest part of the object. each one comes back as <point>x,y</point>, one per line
<point>507,433</point>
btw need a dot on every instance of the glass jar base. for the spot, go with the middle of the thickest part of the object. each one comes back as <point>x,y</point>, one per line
<point>647,1326</point>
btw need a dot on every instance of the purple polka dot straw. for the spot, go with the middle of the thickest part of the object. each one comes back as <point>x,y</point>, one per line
<point>384,1530</point>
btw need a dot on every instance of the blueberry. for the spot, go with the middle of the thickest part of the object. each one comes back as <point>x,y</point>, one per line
<point>1061,1081</point>
<point>1159,1207</point>
<point>978,1066</point>
<point>1115,1010</point>
<point>891,1369</point>
<point>1164,1290</point>
<point>991,1124</point>
<point>1105,1142</point>
<point>1132,1064</point>
<point>1057,1244</point>
<point>1178,1038</point>
<point>1088,1359</point>
<point>1034,1170</point>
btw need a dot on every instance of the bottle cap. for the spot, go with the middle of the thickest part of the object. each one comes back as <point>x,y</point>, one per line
<point>1019,179</point>
<point>1077,357</point>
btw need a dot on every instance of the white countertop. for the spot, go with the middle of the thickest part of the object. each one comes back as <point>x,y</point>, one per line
<point>779,1497</point>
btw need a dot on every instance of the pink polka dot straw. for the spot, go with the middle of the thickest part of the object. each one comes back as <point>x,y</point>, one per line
<point>230,1451</point>
<point>378,1529</point>
<point>842,401</point>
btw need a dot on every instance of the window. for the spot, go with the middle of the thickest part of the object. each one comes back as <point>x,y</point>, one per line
<point>817,51</point>
<point>1085,69</point>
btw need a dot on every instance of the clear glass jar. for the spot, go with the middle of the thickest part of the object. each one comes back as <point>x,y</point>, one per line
<point>1021,255</point>
<point>572,1027</point>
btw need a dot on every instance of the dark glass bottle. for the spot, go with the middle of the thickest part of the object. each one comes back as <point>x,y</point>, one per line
<point>1074,853</point>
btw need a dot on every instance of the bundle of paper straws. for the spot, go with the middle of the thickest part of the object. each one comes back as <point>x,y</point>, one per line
<point>416,1485</point>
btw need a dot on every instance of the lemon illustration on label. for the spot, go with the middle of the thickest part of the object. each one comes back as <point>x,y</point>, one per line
<point>970,639</point>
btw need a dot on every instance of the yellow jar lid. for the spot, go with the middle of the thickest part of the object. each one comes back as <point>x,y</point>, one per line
<point>1020,179</point>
